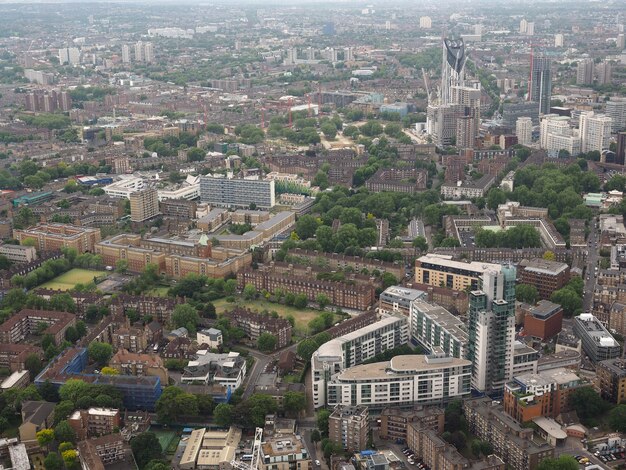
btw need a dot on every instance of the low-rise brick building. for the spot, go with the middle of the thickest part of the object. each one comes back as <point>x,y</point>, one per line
<point>546,276</point>
<point>255,324</point>
<point>341,294</point>
<point>543,321</point>
<point>26,322</point>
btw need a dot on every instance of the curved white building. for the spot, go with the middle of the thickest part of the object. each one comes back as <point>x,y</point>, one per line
<point>405,380</point>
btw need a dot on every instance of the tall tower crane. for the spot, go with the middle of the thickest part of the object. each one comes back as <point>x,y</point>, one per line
<point>256,454</point>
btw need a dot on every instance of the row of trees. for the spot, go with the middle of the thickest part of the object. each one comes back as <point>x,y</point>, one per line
<point>520,236</point>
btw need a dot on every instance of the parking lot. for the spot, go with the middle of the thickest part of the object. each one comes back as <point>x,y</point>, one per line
<point>415,462</point>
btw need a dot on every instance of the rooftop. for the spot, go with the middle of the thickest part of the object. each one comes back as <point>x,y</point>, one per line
<point>448,262</point>
<point>543,266</point>
<point>400,366</point>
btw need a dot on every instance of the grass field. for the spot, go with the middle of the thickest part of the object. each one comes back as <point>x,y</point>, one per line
<point>68,280</point>
<point>303,317</point>
<point>160,291</point>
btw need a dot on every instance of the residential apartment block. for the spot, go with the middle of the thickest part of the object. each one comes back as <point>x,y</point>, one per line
<point>354,348</point>
<point>53,237</point>
<point>237,192</point>
<point>611,379</point>
<point>101,452</point>
<point>394,422</point>
<point>139,365</point>
<point>255,324</point>
<point>442,271</point>
<point>403,381</point>
<point>94,422</point>
<point>516,445</point>
<point>26,322</point>
<point>349,427</point>
<point>284,452</point>
<point>18,253</point>
<point>342,294</point>
<point>545,394</point>
<point>437,330</point>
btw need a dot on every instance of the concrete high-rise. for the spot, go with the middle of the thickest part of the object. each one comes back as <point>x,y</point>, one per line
<point>584,72</point>
<point>144,204</point>
<point>523,26</point>
<point>492,329</point>
<point>139,57</point>
<point>595,131</point>
<point>126,54</point>
<point>465,132</point>
<point>604,72</point>
<point>558,40</point>
<point>148,52</point>
<point>530,29</point>
<point>425,22</point>
<point>524,130</point>
<point>541,83</point>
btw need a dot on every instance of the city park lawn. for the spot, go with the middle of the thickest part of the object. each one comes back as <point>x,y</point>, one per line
<point>68,280</point>
<point>302,316</point>
<point>159,291</point>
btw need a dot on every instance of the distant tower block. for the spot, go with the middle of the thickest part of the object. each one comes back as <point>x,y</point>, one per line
<point>426,22</point>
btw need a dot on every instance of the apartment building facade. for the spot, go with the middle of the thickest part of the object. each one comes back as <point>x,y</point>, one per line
<point>403,381</point>
<point>53,237</point>
<point>349,427</point>
<point>516,445</point>
<point>255,324</point>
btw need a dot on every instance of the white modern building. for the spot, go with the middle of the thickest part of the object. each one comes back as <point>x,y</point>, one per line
<point>353,349</point>
<point>212,337</point>
<point>403,381</point>
<point>556,134</point>
<point>524,130</point>
<point>188,192</point>
<point>595,131</point>
<point>227,370</point>
<point>124,187</point>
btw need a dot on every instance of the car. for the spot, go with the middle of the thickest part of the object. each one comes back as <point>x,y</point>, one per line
<point>318,463</point>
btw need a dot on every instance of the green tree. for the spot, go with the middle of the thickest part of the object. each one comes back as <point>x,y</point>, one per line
<point>329,130</point>
<point>300,301</point>
<point>526,293</point>
<point>100,353</point>
<point>157,465</point>
<point>249,292</point>
<point>568,299</point>
<point>63,446</point>
<point>564,462</point>
<point>146,447</point>
<point>266,342</point>
<point>196,155</point>
<point>322,421</point>
<point>617,418</point>
<point>316,436</point>
<point>322,300</point>
<point>306,348</point>
<point>53,462</point>
<point>588,405</point>
<point>223,415</point>
<point>306,226</point>
<point>63,432</point>
<point>33,365</point>
<point>45,437</point>
<point>184,315</point>
<point>420,243</point>
<point>294,403</point>
<point>70,458</point>
<point>121,266</point>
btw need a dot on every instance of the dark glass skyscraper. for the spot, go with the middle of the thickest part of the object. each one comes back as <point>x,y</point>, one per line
<point>541,83</point>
